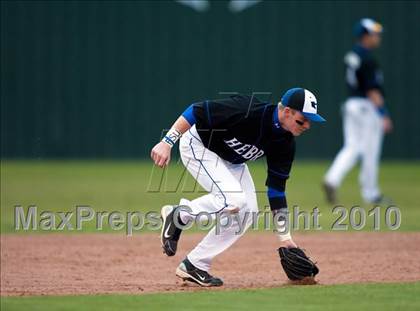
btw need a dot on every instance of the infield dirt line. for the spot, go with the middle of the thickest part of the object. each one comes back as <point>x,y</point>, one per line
<point>64,264</point>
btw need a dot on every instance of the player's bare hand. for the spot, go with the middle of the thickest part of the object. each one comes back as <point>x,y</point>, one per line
<point>161,154</point>
<point>387,124</point>
<point>288,243</point>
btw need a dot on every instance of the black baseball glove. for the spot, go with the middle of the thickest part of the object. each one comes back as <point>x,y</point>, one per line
<point>296,264</point>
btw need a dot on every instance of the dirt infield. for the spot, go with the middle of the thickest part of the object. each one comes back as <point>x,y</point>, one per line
<point>59,264</point>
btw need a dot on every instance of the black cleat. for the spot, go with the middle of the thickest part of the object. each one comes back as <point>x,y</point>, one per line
<point>170,233</point>
<point>382,200</point>
<point>330,193</point>
<point>188,272</point>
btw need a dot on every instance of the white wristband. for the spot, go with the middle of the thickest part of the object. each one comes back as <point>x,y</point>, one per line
<point>281,225</point>
<point>171,137</point>
<point>284,237</point>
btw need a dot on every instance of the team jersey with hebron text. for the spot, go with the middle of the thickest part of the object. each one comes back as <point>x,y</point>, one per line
<point>242,128</point>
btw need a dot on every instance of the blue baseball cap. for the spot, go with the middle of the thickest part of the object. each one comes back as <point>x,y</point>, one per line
<point>367,26</point>
<point>304,101</point>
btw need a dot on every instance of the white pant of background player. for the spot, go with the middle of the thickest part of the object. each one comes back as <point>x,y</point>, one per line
<point>226,183</point>
<point>363,134</point>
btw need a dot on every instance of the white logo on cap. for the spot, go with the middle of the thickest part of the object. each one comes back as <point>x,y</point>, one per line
<point>310,105</point>
<point>371,26</point>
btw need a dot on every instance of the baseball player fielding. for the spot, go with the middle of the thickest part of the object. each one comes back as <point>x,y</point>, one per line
<point>216,139</point>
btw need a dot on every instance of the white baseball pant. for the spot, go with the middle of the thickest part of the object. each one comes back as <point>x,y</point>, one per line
<point>363,135</point>
<point>229,185</point>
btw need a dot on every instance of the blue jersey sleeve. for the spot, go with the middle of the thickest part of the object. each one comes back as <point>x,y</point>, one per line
<point>188,114</point>
<point>279,162</point>
<point>277,199</point>
<point>370,76</point>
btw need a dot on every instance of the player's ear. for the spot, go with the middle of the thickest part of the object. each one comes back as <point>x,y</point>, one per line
<point>287,111</point>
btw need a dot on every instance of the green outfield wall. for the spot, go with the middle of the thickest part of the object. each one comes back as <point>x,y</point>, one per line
<point>101,79</point>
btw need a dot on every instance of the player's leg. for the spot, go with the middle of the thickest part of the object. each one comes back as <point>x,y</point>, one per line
<point>349,153</point>
<point>227,233</point>
<point>231,188</point>
<point>213,175</point>
<point>371,154</point>
<point>243,175</point>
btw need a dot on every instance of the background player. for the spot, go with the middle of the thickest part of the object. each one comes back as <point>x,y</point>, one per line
<point>219,137</point>
<point>365,117</point>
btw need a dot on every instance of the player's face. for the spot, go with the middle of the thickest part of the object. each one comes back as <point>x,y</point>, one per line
<point>373,40</point>
<point>376,38</point>
<point>298,123</point>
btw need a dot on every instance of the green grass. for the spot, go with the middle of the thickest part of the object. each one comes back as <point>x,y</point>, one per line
<point>106,186</point>
<point>124,186</point>
<point>340,297</point>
